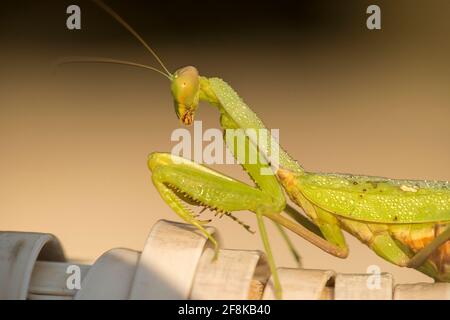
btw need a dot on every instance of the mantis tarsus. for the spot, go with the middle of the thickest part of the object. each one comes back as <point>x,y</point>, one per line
<point>406,222</point>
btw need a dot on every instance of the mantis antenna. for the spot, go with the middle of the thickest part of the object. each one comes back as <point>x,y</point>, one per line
<point>109,60</point>
<point>119,19</point>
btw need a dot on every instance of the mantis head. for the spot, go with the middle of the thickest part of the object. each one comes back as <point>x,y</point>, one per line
<point>185,82</point>
<point>185,91</point>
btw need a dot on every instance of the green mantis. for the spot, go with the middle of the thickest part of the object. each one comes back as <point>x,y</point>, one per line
<point>406,222</point>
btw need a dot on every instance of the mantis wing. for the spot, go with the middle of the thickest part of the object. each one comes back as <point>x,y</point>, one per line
<point>379,200</point>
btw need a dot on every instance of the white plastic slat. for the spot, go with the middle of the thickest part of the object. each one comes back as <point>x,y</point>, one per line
<point>230,276</point>
<point>110,277</point>
<point>176,265</point>
<point>50,278</point>
<point>301,284</point>
<point>422,291</point>
<point>18,254</point>
<point>363,287</point>
<point>168,262</point>
<point>32,296</point>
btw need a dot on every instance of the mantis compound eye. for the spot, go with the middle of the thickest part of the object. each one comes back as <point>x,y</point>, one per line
<point>185,90</point>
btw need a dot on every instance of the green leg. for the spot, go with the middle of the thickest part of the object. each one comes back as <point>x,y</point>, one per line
<point>270,184</point>
<point>386,247</point>
<point>271,260</point>
<point>420,258</point>
<point>331,230</point>
<point>324,233</point>
<point>301,219</point>
<point>179,180</point>
<point>379,239</point>
<point>174,202</point>
<point>267,184</point>
<point>290,245</point>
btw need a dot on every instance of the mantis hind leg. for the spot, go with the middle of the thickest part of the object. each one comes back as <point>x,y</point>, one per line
<point>426,246</point>
<point>420,258</point>
<point>383,242</point>
<point>332,232</point>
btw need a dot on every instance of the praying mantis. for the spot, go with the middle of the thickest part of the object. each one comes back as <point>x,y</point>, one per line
<point>406,222</point>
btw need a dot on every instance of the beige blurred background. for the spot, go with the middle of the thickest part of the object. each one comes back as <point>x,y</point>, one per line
<point>74,141</point>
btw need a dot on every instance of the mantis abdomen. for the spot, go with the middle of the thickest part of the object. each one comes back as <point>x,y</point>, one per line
<point>395,218</point>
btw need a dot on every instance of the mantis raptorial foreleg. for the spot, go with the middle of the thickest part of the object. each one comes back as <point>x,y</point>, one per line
<point>326,235</point>
<point>170,197</point>
<point>173,176</point>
